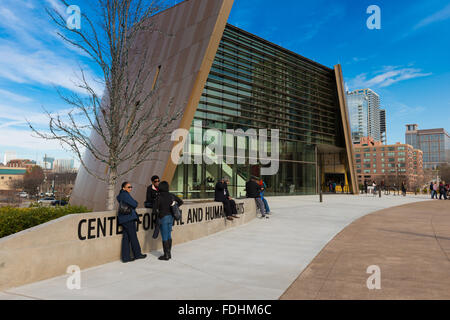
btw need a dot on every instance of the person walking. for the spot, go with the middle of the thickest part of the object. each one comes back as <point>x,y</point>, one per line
<point>435,189</point>
<point>431,190</point>
<point>442,191</point>
<point>221,194</point>
<point>253,191</point>
<point>162,206</point>
<point>342,186</point>
<point>404,189</point>
<point>128,223</point>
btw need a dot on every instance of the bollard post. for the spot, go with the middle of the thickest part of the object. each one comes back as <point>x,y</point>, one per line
<point>379,192</point>
<point>321,196</point>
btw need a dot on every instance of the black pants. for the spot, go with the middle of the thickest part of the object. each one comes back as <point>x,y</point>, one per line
<point>130,237</point>
<point>229,206</point>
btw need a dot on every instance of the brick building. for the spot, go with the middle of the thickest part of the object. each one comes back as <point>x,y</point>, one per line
<point>392,164</point>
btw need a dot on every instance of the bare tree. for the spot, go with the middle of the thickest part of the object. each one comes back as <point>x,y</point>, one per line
<point>128,113</point>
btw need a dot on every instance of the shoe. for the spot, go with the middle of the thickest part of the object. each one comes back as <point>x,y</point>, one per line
<point>236,217</point>
<point>165,256</point>
<point>126,261</point>
<point>230,218</point>
<point>142,256</point>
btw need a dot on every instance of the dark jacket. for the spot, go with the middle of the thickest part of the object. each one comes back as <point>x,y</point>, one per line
<point>125,197</point>
<point>151,196</point>
<point>163,203</point>
<point>252,189</point>
<point>221,192</point>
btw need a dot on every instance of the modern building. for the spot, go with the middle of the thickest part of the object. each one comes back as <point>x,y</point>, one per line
<point>47,163</point>
<point>435,144</point>
<point>383,131</point>
<point>366,117</point>
<point>392,164</point>
<point>21,163</point>
<point>224,78</point>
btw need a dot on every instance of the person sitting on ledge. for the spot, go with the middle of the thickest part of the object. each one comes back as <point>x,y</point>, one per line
<point>221,194</point>
<point>253,191</point>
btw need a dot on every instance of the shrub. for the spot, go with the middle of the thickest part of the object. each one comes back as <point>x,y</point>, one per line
<point>13,220</point>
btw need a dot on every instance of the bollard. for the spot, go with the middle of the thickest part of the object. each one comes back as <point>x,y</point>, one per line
<point>379,192</point>
<point>321,196</point>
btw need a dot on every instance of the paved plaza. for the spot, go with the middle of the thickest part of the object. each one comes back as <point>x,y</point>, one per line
<point>264,258</point>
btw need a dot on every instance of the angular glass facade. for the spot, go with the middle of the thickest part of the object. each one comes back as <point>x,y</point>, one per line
<point>254,84</point>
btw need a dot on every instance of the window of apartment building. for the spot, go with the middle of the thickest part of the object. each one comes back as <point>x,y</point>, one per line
<point>391,159</point>
<point>401,159</point>
<point>367,155</point>
<point>391,165</point>
<point>383,165</point>
<point>358,155</point>
<point>366,149</point>
<point>367,165</point>
<point>383,171</point>
<point>391,154</point>
<point>358,171</point>
<point>367,160</point>
<point>402,154</point>
<point>401,165</point>
<point>358,166</point>
<point>358,160</point>
<point>375,155</point>
<point>391,149</point>
<point>374,171</point>
<point>366,171</point>
<point>401,148</point>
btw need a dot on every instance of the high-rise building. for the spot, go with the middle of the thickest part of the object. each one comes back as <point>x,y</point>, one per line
<point>383,126</point>
<point>224,78</point>
<point>63,165</point>
<point>435,144</point>
<point>356,105</point>
<point>358,109</point>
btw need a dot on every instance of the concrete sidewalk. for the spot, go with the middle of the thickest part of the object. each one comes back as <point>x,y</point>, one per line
<point>259,260</point>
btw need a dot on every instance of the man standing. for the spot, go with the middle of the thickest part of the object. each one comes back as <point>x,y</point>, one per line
<point>152,192</point>
<point>221,194</point>
<point>253,191</point>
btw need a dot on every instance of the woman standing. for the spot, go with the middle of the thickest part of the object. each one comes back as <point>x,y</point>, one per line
<point>163,203</point>
<point>128,223</point>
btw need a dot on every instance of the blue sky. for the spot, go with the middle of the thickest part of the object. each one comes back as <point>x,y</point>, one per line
<point>406,62</point>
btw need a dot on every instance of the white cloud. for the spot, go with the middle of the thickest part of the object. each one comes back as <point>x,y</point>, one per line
<point>386,77</point>
<point>440,15</point>
<point>12,96</point>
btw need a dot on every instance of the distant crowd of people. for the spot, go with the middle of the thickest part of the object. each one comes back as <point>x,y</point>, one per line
<point>162,202</point>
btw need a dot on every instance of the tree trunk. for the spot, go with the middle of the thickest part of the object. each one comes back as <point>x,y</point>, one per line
<point>110,196</point>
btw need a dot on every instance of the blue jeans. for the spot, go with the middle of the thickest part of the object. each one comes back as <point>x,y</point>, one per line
<point>166,227</point>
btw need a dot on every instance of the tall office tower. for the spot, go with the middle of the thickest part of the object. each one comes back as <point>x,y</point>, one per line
<point>358,108</point>
<point>373,111</point>
<point>383,126</point>
<point>435,144</point>
<point>63,165</point>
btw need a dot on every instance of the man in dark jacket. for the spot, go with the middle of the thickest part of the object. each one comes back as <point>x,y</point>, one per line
<point>253,190</point>
<point>152,192</point>
<point>221,194</point>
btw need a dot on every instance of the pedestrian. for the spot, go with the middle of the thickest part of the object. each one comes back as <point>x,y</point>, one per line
<point>431,190</point>
<point>435,190</point>
<point>365,186</point>
<point>263,185</point>
<point>221,194</point>
<point>128,223</point>
<point>442,191</point>
<point>404,189</point>
<point>152,192</point>
<point>253,191</point>
<point>342,186</point>
<point>162,205</point>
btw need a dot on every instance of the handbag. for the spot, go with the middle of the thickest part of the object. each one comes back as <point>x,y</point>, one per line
<point>176,212</point>
<point>124,209</point>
